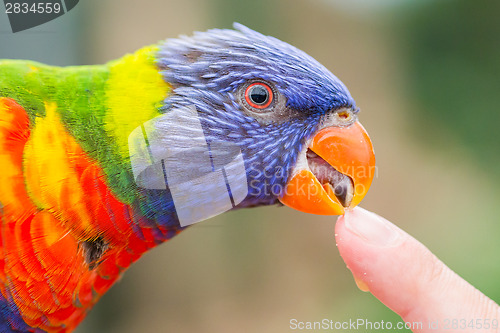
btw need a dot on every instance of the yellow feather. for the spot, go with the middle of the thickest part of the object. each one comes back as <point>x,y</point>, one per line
<point>135,90</point>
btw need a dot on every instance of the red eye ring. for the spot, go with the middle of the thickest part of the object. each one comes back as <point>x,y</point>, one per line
<point>259,95</point>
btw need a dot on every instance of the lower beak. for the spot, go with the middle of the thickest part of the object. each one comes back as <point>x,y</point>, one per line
<point>348,161</point>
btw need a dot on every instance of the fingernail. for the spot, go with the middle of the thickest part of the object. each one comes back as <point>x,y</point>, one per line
<point>371,228</point>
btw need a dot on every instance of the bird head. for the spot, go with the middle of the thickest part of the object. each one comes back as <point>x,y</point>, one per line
<point>294,123</point>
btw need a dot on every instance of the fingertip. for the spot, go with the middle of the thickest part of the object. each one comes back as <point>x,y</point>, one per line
<point>361,235</point>
<point>401,272</point>
<point>352,249</point>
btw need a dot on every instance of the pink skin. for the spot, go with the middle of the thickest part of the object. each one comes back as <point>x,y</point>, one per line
<point>405,276</point>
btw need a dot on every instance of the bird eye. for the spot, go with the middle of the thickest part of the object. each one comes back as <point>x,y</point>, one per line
<point>259,95</point>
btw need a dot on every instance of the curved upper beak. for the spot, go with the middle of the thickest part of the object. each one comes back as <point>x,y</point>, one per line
<point>339,170</point>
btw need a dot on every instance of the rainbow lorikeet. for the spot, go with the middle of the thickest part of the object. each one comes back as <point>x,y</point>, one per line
<point>98,163</point>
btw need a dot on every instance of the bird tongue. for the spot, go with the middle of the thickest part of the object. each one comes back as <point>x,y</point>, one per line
<point>335,183</point>
<point>343,190</point>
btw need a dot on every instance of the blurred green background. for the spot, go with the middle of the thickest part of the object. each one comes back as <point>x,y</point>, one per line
<point>426,75</point>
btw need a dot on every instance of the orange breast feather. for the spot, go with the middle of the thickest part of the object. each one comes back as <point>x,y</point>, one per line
<point>56,211</point>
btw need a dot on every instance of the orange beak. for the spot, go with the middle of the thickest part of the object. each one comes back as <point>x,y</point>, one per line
<point>339,172</point>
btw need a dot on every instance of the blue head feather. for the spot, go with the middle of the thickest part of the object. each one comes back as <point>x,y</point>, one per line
<point>207,70</point>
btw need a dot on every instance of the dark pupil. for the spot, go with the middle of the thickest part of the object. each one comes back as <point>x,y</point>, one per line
<point>258,95</point>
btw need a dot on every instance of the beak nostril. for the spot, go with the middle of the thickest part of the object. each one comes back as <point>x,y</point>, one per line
<point>344,115</point>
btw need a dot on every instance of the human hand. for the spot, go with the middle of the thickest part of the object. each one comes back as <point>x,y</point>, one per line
<point>410,280</point>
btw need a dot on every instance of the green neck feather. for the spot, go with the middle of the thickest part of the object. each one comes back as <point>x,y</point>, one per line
<point>99,105</point>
